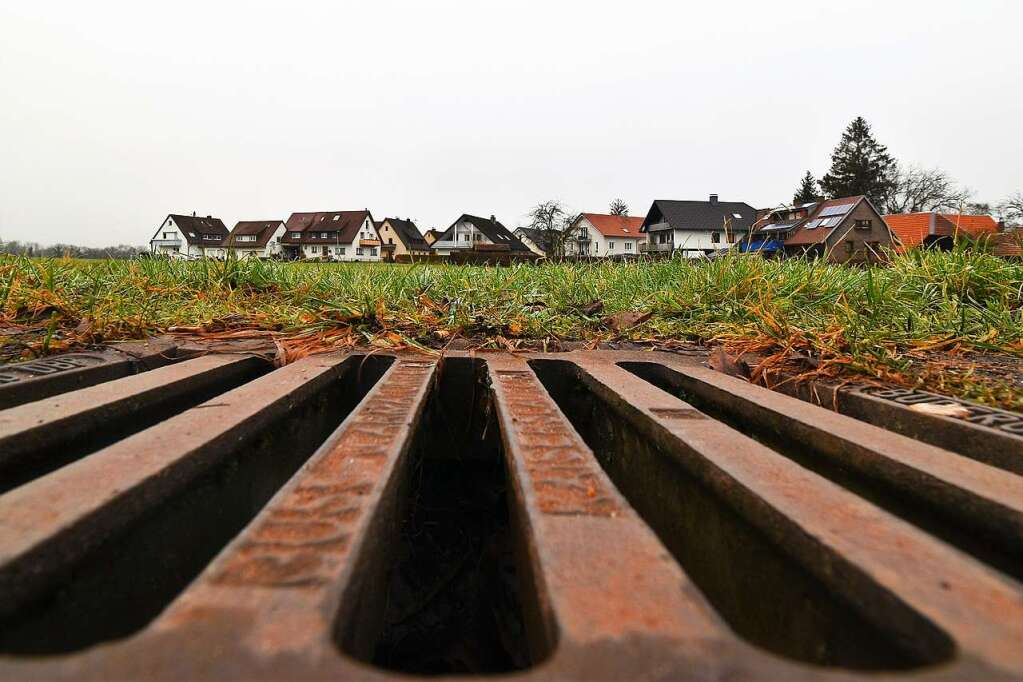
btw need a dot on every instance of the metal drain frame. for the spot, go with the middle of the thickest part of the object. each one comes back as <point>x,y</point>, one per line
<point>612,602</point>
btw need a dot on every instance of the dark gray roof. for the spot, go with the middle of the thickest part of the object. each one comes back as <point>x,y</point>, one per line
<point>536,236</point>
<point>700,215</point>
<point>195,227</point>
<point>409,234</point>
<point>494,231</point>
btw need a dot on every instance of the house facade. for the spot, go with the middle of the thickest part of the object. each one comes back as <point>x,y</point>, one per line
<point>401,238</point>
<point>432,235</point>
<point>845,230</point>
<point>331,235</point>
<point>472,233</point>
<point>184,236</point>
<point>256,238</point>
<point>694,229</point>
<point>599,235</point>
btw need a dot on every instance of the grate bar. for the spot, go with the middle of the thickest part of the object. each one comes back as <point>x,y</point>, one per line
<point>860,551</point>
<point>72,424</point>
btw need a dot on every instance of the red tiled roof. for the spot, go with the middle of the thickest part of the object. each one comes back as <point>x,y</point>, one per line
<point>263,229</point>
<point>615,225</point>
<point>801,235</point>
<point>912,228</point>
<point>1007,244</point>
<point>973,225</point>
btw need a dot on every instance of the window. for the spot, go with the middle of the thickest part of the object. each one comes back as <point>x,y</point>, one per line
<point>324,235</point>
<point>628,246</point>
<point>372,251</point>
<point>390,240</point>
<point>169,222</point>
<point>246,237</point>
<point>864,224</point>
<point>715,237</point>
<point>465,237</point>
<point>358,251</point>
<point>610,245</point>
<point>295,235</point>
<point>323,250</point>
<point>662,238</point>
<point>737,216</point>
<point>849,246</point>
<point>342,250</point>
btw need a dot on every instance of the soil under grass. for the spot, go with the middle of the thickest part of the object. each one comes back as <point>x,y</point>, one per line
<point>947,321</point>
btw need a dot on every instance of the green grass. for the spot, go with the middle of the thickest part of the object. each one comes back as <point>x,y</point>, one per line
<point>895,322</point>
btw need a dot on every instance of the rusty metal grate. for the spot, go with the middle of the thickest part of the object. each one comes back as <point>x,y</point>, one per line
<point>587,515</point>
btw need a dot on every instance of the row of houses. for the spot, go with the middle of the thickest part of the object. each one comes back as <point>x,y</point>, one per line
<point>848,229</point>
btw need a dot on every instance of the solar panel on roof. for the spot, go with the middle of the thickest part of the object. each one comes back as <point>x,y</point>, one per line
<point>841,209</point>
<point>831,222</point>
<point>813,223</point>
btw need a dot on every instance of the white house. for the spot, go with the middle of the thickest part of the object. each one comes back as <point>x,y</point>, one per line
<point>695,228</point>
<point>600,235</point>
<point>332,235</point>
<point>256,238</point>
<point>473,233</point>
<point>532,238</point>
<point>189,236</point>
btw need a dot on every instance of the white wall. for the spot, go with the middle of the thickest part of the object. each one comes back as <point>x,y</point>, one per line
<point>461,236</point>
<point>600,245</point>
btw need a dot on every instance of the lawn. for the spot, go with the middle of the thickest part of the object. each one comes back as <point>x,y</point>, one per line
<point>946,321</point>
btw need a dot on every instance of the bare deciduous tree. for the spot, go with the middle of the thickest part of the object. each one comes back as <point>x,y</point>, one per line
<point>618,207</point>
<point>552,220</point>
<point>1011,210</point>
<point>919,189</point>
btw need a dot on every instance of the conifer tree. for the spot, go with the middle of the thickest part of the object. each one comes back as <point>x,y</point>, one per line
<point>860,165</point>
<point>808,190</point>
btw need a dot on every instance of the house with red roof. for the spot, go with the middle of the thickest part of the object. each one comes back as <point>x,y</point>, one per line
<point>844,230</point>
<point>913,230</point>
<point>256,238</point>
<point>599,235</point>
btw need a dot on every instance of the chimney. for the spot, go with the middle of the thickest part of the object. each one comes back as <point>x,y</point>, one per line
<point>193,214</point>
<point>492,218</point>
<point>713,199</point>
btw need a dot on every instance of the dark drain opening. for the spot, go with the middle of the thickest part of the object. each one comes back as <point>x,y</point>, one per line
<point>763,594</point>
<point>61,446</point>
<point>438,592</point>
<point>127,581</point>
<point>948,522</point>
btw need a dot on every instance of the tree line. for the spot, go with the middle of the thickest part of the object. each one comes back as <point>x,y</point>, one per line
<point>862,165</point>
<point>32,249</point>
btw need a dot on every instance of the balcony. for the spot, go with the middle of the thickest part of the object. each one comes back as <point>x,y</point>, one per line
<point>369,242</point>
<point>173,243</point>
<point>647,247</point>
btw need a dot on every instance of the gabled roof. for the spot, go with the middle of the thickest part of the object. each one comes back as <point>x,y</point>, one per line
<point>534,235</point>
<point>263,229</point>
<point>833,211</point>
<point>492,229</point>
<point>407,232</point>
<point>701,215</point>
<point>194,227</point>
<point>342,226</point>
<point>615,225</point>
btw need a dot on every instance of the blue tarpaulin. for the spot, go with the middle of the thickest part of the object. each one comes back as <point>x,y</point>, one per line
<point>766,245</point>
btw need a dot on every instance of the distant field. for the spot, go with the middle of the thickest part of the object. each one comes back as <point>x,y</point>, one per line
<point>947,321</point>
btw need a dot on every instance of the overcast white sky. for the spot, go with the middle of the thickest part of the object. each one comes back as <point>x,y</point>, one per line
<point>114,114</point>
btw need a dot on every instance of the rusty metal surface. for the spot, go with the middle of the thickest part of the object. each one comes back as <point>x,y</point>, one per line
<point>296,592</point>
<point>986,434</point>
<point>54,425</point>
<point>32,380</point>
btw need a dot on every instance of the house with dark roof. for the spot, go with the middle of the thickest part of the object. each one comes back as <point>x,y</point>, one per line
<point>331,235</point>
<point>534,239</point>
<point>844,230</point>
<point>600,235</point>
<point>189,236</point>
<point>937,229</point>
<point>256,238</point>
<point>432,235</point>
<point>695,228</point>
<point>401,238</point>
<point>472,233</point>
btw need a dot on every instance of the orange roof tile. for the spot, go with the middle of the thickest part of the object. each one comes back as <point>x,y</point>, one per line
<point>615,225</point>
<point>972,224</point>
